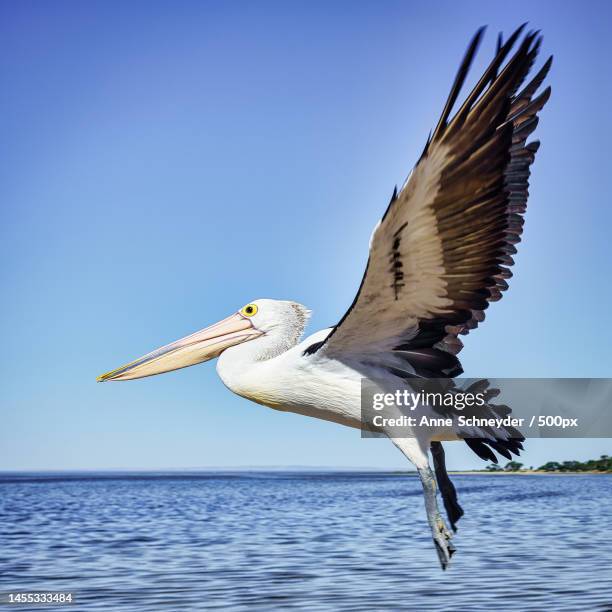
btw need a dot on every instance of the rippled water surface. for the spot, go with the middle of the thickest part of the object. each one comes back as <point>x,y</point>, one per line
<point>315,541</point>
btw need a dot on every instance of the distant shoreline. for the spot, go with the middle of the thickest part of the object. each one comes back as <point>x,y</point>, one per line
<point>525,473</point>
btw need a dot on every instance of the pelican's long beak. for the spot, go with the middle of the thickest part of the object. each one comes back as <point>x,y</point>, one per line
<point>206,344</point>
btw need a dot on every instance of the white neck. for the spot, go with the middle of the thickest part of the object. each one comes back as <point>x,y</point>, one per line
<point>241,367</point>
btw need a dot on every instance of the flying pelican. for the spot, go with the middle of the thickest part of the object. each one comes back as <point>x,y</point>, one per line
<point>437,257</point>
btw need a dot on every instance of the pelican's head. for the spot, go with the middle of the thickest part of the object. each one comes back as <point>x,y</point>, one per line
<point>281,321</point>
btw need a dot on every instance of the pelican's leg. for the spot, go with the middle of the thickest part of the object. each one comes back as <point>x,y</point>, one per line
<point>449,494</point>
<point>441,535</point>
<point>416,451</point>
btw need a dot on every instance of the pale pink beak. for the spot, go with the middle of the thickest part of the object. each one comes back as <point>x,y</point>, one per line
<point>206,344</point>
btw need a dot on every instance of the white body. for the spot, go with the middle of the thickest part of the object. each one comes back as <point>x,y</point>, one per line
<point>316,385</point>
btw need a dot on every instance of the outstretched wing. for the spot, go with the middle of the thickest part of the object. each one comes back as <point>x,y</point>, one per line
<point>442,250</point>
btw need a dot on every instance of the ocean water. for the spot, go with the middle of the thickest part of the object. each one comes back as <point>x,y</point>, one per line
<point>304,541</point>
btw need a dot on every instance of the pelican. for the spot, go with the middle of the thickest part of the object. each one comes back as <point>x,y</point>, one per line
<point>437,258</point>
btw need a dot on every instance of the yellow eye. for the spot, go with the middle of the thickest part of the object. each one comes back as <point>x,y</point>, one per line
<point>249,310</point>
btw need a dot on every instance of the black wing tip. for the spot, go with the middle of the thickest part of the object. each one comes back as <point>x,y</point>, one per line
<point>473,48</point>
<point>513,37</point>
<point>313,348</point>
<point>478,35</point>
<point>458,83</point>
<point>393,195</point>
<point>527,52</point>
<point>482,447</point>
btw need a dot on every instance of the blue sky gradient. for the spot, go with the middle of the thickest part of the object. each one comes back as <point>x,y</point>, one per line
<point>165,163</point>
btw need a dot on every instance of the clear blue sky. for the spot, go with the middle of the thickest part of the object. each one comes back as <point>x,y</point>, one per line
<point>163,163</point>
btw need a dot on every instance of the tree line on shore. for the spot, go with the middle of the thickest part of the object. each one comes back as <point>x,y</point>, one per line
<point>603,464</point>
